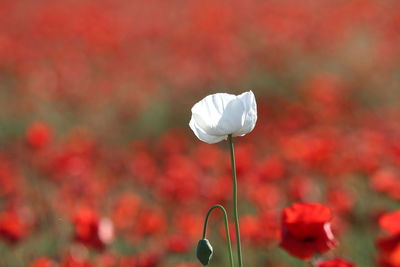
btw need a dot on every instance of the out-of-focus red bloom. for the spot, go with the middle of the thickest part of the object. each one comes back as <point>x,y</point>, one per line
<point>335,263</point>
<point>389,247</point>
<point>272,168</point>
<point>125,209</point>
<point>142,260</point>
<point>71,260</point>
<point>389,251</point>
<point>173,142</point>
<point>259,230</point>
<point>188,224</point>
<point>265,195</point>
<point>147,260</point>
<point>181,179</point>
<point>218,189</point>
<point>76,157</point>
<point>250,227</point>
<point>106,259</point>
<point>144,166</point>
<point>8,178</point>
<point>300,187</point>
<point>68,164</point>
<point>310,149</point>
<point>386,181</point>
<point>43,262</point>
<point>127,261</point>
<point>207,156</point>
<point>340,200</point>
<point>151,222</point>
<point>12,226</point>
<point>38,135</point>
<point>369,150</point>
<point>306,230</point>
<point>390,222</point>
<point>178,244</point>
<point>326,95</point>
<point>90,230</point>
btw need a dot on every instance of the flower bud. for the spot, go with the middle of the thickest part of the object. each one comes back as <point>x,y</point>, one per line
<point>204,251</point>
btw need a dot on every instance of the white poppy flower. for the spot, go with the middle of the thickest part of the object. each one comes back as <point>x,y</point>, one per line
<point>218,115</point>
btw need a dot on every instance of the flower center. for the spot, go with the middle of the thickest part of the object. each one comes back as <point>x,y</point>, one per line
<point>309,239</point>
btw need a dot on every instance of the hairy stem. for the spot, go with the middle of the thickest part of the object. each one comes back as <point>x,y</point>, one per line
<point>228,237</point>
<point>235,211</point>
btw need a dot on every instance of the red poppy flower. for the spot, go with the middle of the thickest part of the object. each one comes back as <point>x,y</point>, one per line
<point>38,135</point>
<point>71,260</point>
<point>91,230</point>
<point>390,222</point>
<point>335,263</point>
<point>43,262</point>
<point>389,251</point>
<point>151,222</point>
<point>387,182</point>
<point>306,230</point>
<point>12,227</point>
<point>148,259</point>
<point>177,244</point>
<point>389,247</point>
<point>127,206</point>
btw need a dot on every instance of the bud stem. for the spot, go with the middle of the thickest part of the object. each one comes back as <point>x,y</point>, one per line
<point>228,237</point>
<point>235,210</point>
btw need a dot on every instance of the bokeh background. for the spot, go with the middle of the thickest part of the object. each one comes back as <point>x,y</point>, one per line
<point>98,166</point>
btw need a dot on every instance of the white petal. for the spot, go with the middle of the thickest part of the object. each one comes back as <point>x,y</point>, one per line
<point>249,101</point>
<point>218,115</point>
<point>203,136</point>
<point>208,112</point>
<point>232,119</point>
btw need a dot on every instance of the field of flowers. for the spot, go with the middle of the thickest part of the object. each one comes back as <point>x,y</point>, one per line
<point>98,164</point>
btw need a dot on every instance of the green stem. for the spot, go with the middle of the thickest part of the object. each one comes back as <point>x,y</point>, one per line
<point>235,211</point>
<point>228,237</point>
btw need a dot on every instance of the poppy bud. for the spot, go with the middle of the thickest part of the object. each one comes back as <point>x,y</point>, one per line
<point>204,251</point>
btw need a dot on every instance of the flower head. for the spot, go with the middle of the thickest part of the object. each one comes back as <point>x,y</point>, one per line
<point>389,246</point>
<point>306,230</point>
<point>219,115</point>
<point>390,222</point>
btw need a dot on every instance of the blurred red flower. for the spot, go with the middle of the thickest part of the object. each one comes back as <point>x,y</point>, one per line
<point>389,246</point>
<point>126,206</point>
<point>38,135</point>
<point>386,181</point>
<point>390,222</point>
<point>71,260</point>
<point>148,259</point>
<point>151,222</point>
<point>43,262</point>
<point>12,226</point>
<point>8,178</point>
<point>178,244</point>
<point>90,230</point>
<point>306,230</point>
<point>259,230</point>
<point>335,263</point>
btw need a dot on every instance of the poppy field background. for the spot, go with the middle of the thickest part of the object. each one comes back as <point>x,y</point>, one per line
<point>98,166</point>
